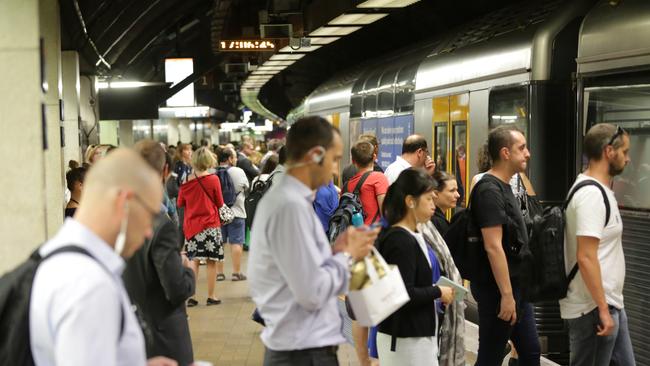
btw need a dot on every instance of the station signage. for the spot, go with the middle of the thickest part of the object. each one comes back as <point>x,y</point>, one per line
<point>246,45</point>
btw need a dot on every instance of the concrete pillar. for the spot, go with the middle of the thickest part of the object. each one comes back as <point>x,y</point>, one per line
<point>22,207</point>
<point>126,133</point>
<point>70,77</point>
<point>50,30</point>
<point>185,132</point>
<point>88,111</point>
<point>172,132</point>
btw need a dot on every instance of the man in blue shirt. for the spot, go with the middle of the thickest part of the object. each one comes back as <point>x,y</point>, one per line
<point>326,203</point>
<point>295,276</point>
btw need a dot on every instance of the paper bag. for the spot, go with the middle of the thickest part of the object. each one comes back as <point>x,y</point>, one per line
<point>382,296</point>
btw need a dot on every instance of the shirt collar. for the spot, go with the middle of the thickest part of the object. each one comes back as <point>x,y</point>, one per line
<point>403,162</point>
<point>73,232</point>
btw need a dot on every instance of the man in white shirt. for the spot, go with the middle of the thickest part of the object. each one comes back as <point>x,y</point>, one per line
<point>235,232</point>
<point>414,154</point>
<point>598,329</point>
<point>80,313</point>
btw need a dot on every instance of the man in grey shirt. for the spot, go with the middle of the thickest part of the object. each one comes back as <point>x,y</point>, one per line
<point>295,275</point>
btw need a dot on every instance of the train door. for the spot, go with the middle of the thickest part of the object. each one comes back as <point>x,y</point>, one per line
<point>451,138</point>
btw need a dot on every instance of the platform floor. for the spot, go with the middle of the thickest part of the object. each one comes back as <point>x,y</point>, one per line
<point>226,336</point>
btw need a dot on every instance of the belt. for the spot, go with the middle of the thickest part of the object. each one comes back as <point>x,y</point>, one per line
<point>333,349</point>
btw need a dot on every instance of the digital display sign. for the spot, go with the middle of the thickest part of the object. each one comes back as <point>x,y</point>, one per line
<point>246,45</point>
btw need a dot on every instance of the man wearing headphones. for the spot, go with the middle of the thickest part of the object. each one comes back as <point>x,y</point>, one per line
<point>295,276</point>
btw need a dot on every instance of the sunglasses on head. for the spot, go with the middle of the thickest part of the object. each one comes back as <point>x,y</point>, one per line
<point>619,132</point>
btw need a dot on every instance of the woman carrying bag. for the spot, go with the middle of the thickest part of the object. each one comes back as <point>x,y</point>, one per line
<point>409,336</point>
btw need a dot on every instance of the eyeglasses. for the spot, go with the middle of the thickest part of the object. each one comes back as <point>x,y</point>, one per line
<point>619,132</point>
<point>151,212</point>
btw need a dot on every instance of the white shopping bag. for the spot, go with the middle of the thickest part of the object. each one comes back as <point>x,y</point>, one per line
<point>375,302</point>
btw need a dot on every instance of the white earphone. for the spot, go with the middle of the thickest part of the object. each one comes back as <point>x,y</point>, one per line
<point>319,156</point>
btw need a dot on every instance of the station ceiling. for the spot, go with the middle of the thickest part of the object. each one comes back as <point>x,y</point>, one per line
<point>130,39</point>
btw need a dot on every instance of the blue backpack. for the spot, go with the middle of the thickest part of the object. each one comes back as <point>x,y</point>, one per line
<point>228,190</point>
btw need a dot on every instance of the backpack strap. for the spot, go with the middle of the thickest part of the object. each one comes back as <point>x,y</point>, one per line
<point>80,250</point>
<point>357,187</point>
<point>590,182</point>
<point>585,183</point>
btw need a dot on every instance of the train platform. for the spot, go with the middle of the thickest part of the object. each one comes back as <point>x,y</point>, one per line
<point>226,336</point>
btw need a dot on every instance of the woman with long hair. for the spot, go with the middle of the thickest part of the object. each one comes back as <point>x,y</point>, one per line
<point>201,198</point>
<point>409,336</point>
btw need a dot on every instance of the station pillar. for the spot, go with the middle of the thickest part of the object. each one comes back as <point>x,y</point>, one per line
<point>70,81</point>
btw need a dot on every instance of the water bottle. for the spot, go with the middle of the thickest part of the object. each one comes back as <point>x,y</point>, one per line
<point>357,219</point>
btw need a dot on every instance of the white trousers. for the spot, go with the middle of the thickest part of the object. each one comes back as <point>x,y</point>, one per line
<point>411,351</point>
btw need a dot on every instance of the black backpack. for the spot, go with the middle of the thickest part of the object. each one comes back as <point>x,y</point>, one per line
<point>465,240</point>
<point>548,280</point>
<point>15,293</point>
<point>228,190</point>
<point>349,203</point>
<point>253,199</point>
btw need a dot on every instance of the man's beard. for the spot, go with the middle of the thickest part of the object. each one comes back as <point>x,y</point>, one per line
<point>614,171</point>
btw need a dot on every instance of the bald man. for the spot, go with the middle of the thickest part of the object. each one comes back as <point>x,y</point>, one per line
<point>80,313</point>
<point>415,153</point>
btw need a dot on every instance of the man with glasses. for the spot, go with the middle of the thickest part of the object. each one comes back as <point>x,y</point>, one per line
<point>593,308</point>
<point>80,313</point>
<point>414,154</point>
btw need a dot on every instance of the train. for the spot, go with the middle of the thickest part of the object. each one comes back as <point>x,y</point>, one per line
<point>552,68</point>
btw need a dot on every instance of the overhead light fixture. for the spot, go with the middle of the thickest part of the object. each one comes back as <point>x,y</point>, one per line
<point>268,68</point>
<point>386,3</point>
<point>288,49</point>
<point>357,19</point>
<point>280,57</point>
<point>265,73</point>
<point>323,40</point>
<point>333,31</point>
<point>126,84</point>
<point>279,63</point>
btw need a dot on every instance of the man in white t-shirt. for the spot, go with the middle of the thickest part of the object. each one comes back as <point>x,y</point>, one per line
<point>593,308</point>
<point>414,154</point>
<point>235,232</point>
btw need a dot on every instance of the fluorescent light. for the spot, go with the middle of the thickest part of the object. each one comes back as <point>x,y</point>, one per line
<point>126,84</point>
<point>279,63</point>
<point>184,112</point>
<point>269,68</point>
<point>102,85</point>
<point>288,49</point>
<point>323,40</point>
<point>265,72</point>
<point>357,19</point>
<point>295,56</point>
<point>333,31</point>
<point>260,77</point>
<point>386,3</point>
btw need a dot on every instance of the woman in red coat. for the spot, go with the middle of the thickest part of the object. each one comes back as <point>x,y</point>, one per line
<point>201,197</point>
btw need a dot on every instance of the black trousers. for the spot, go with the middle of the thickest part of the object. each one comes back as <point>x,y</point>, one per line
<point>323,356</point>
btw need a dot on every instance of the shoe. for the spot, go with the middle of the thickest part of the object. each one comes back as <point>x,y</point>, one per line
<point>192,303</point>
<point>238,277</point>
<point>213,302</point>
<point>221,277</point>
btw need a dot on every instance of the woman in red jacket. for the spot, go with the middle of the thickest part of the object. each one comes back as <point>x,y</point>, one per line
<point>201,197</point>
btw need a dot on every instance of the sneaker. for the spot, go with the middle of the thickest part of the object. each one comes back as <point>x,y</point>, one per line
<point>221,277</point>
<point>238,277</point>
<point>213,302</point>
<point>192,303</point>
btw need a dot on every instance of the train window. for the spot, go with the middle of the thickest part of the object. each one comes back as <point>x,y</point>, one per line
<point>509,106</point>
<point>460,158</point>
<point>386,93</point>
<point>356,100</point>
<point>440,133</point>
<point>404,89</point>
<point>628,107</point>
<point>370,95</point>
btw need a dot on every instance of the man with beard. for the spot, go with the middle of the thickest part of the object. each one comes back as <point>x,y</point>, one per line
<point>598,329</point>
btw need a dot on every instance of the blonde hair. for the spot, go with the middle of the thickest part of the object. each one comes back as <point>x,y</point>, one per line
<point>203,159</point>
<point>90,151</point>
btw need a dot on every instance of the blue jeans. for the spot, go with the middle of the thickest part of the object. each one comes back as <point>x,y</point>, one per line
<point>494,333</point>
<point>587,348</point>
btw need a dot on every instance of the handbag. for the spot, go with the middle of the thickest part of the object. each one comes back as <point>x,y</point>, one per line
<point>226,214</point>
<point>383,293</point>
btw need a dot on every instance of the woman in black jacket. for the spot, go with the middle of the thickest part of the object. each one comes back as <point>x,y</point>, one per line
<point>445,197</point>
<point>408,336</point>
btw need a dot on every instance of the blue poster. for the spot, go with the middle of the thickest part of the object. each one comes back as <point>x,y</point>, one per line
<point>369,126</point>
<point>385,137</point>
<point>402,129</point>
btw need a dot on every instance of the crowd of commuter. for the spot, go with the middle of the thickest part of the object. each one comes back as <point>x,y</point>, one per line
<point>146,218</point>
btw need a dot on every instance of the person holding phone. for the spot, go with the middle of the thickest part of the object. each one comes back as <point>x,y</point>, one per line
<point>409,336</point>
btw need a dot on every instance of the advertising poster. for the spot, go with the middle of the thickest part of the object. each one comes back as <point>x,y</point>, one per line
<point>386,137</point>
<point>403,127</point>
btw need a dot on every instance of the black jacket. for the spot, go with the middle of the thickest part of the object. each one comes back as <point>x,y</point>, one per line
<point>247,166</point>
<point>417,317</point>
<point>440,221</point>
<point>158,284</point>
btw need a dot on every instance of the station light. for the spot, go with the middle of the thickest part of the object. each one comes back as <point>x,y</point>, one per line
<point>288,49</point>
<point>279,63</point>
<point>357,19</point>
<point>270,68</point>
<point>333,31</point>
<point>386,3</point>
<point>323,40</point>
<point>294,56</point>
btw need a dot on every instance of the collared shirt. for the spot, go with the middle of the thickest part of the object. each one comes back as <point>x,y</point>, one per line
<point>77,306</point>
<point>294,278</point>
<point>395,169</point>
<point>240,181</point>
